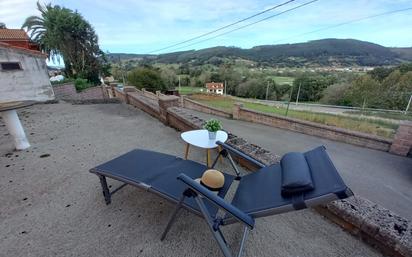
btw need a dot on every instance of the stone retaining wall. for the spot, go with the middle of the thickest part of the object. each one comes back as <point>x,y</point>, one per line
<point>144,103</point>
<point>120,94</point>
<point>312,128</point>
<point>372,223</point>
<point>402,144</point>
<point>68,91</point>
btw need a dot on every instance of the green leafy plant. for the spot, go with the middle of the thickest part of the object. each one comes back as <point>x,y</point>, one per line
<point>213,125</point>
<point>81,84</point>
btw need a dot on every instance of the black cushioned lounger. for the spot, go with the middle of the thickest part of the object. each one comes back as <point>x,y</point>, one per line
<point>298,181</point>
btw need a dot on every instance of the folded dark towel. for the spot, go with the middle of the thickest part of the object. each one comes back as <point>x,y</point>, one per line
<point>296,176</point>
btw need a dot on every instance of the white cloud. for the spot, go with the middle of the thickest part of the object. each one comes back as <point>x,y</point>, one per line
<point>13,12</point>
<point>144,25</point>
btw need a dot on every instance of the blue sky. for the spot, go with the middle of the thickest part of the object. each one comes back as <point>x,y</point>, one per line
<point>134,26</point>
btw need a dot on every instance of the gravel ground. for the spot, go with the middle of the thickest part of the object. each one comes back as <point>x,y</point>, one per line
<point>52,206</point>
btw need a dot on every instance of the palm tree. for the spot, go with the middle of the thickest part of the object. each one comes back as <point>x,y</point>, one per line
<point>61,32</point>
<point>43,31</point>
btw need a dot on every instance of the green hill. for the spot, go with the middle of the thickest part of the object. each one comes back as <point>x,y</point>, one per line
<point>324,52</point>
<point>404,52</point>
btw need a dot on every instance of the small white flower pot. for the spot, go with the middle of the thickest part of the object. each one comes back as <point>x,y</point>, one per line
<point>212,135</point>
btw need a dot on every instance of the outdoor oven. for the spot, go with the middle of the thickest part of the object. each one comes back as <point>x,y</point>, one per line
<point>23,81</point>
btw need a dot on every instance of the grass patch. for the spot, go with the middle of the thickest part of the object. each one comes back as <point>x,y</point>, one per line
<point>282,80</point>
<point>386,115</point>
<point>190,90</point>
<point>361,124</point>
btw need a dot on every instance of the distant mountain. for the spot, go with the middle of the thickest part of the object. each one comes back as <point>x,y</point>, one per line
<point>324,52</point>
<point>404,52</point>
<point>115,57</point>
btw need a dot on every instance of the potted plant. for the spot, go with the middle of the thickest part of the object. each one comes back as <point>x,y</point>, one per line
<point>212,126</point>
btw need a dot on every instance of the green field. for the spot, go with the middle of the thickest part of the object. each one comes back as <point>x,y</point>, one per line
<point>361,124</point>
<point>282,80</point>
<point>190,90</point>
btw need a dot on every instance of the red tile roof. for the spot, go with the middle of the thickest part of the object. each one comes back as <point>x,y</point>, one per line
<point>214,85</point>
<point>13,34</point>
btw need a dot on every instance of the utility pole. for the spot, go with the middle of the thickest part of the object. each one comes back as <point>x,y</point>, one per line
<point>225,87</point>
<point>297,97</point>
<point>267,90</point>
<point>179,83</point>
<point>409,104</point>
<point>122,71</point>
<point>290,98</point>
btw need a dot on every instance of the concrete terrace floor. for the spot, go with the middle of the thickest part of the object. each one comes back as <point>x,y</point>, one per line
<point>381,177</point>
<point>52,206</point>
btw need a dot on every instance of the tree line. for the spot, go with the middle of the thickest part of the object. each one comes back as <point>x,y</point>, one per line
<point>383,88</point>
<point>240,82</point>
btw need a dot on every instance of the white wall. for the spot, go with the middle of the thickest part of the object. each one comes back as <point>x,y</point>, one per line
<point>30,83</point>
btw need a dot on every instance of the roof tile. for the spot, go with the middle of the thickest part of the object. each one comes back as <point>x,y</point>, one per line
<point>13,34</point>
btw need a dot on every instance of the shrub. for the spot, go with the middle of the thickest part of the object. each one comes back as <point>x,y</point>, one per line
<point>213,125</point>
<point>146,77</point>
<point>81,84</point>
<point>336,94</point>
<point>311,87</point>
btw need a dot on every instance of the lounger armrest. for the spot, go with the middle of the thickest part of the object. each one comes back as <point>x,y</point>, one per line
<point>241,154</point>
<point>238,214</point>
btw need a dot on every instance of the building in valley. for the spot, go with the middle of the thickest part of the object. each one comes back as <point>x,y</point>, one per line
<point>215,88</point>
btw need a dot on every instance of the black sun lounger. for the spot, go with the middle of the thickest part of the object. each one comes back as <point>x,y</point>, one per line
<point>297,182</point>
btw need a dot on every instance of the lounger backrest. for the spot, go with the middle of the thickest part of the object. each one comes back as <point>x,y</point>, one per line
<point>235,212</point>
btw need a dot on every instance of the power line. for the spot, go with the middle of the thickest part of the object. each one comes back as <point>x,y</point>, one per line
<point>247,25</point>
<point>224,27</point>
<point>345,23</point>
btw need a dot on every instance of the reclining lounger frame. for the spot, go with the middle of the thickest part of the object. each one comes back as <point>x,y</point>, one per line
<point>237,211</point>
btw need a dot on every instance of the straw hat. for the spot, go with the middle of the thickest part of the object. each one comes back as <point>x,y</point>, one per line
<point>213,179</point>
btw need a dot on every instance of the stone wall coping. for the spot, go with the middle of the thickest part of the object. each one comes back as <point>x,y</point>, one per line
<point>206,106</point>
<point>91,88</point>
<point>322,126</point>
<point>129,89</point>
<point>385,230</point>
<point>119,91</point>
<point>168,97</point>
<point>63,84</point>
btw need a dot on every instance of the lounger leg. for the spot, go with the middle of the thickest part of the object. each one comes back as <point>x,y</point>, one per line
<point>216,233</point>
<point>172,218</point>
<point>106,192</point>
<point>242,243</point>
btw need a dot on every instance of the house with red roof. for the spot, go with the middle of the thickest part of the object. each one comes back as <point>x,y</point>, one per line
<point>18,38</point>
<point>215,88</point>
